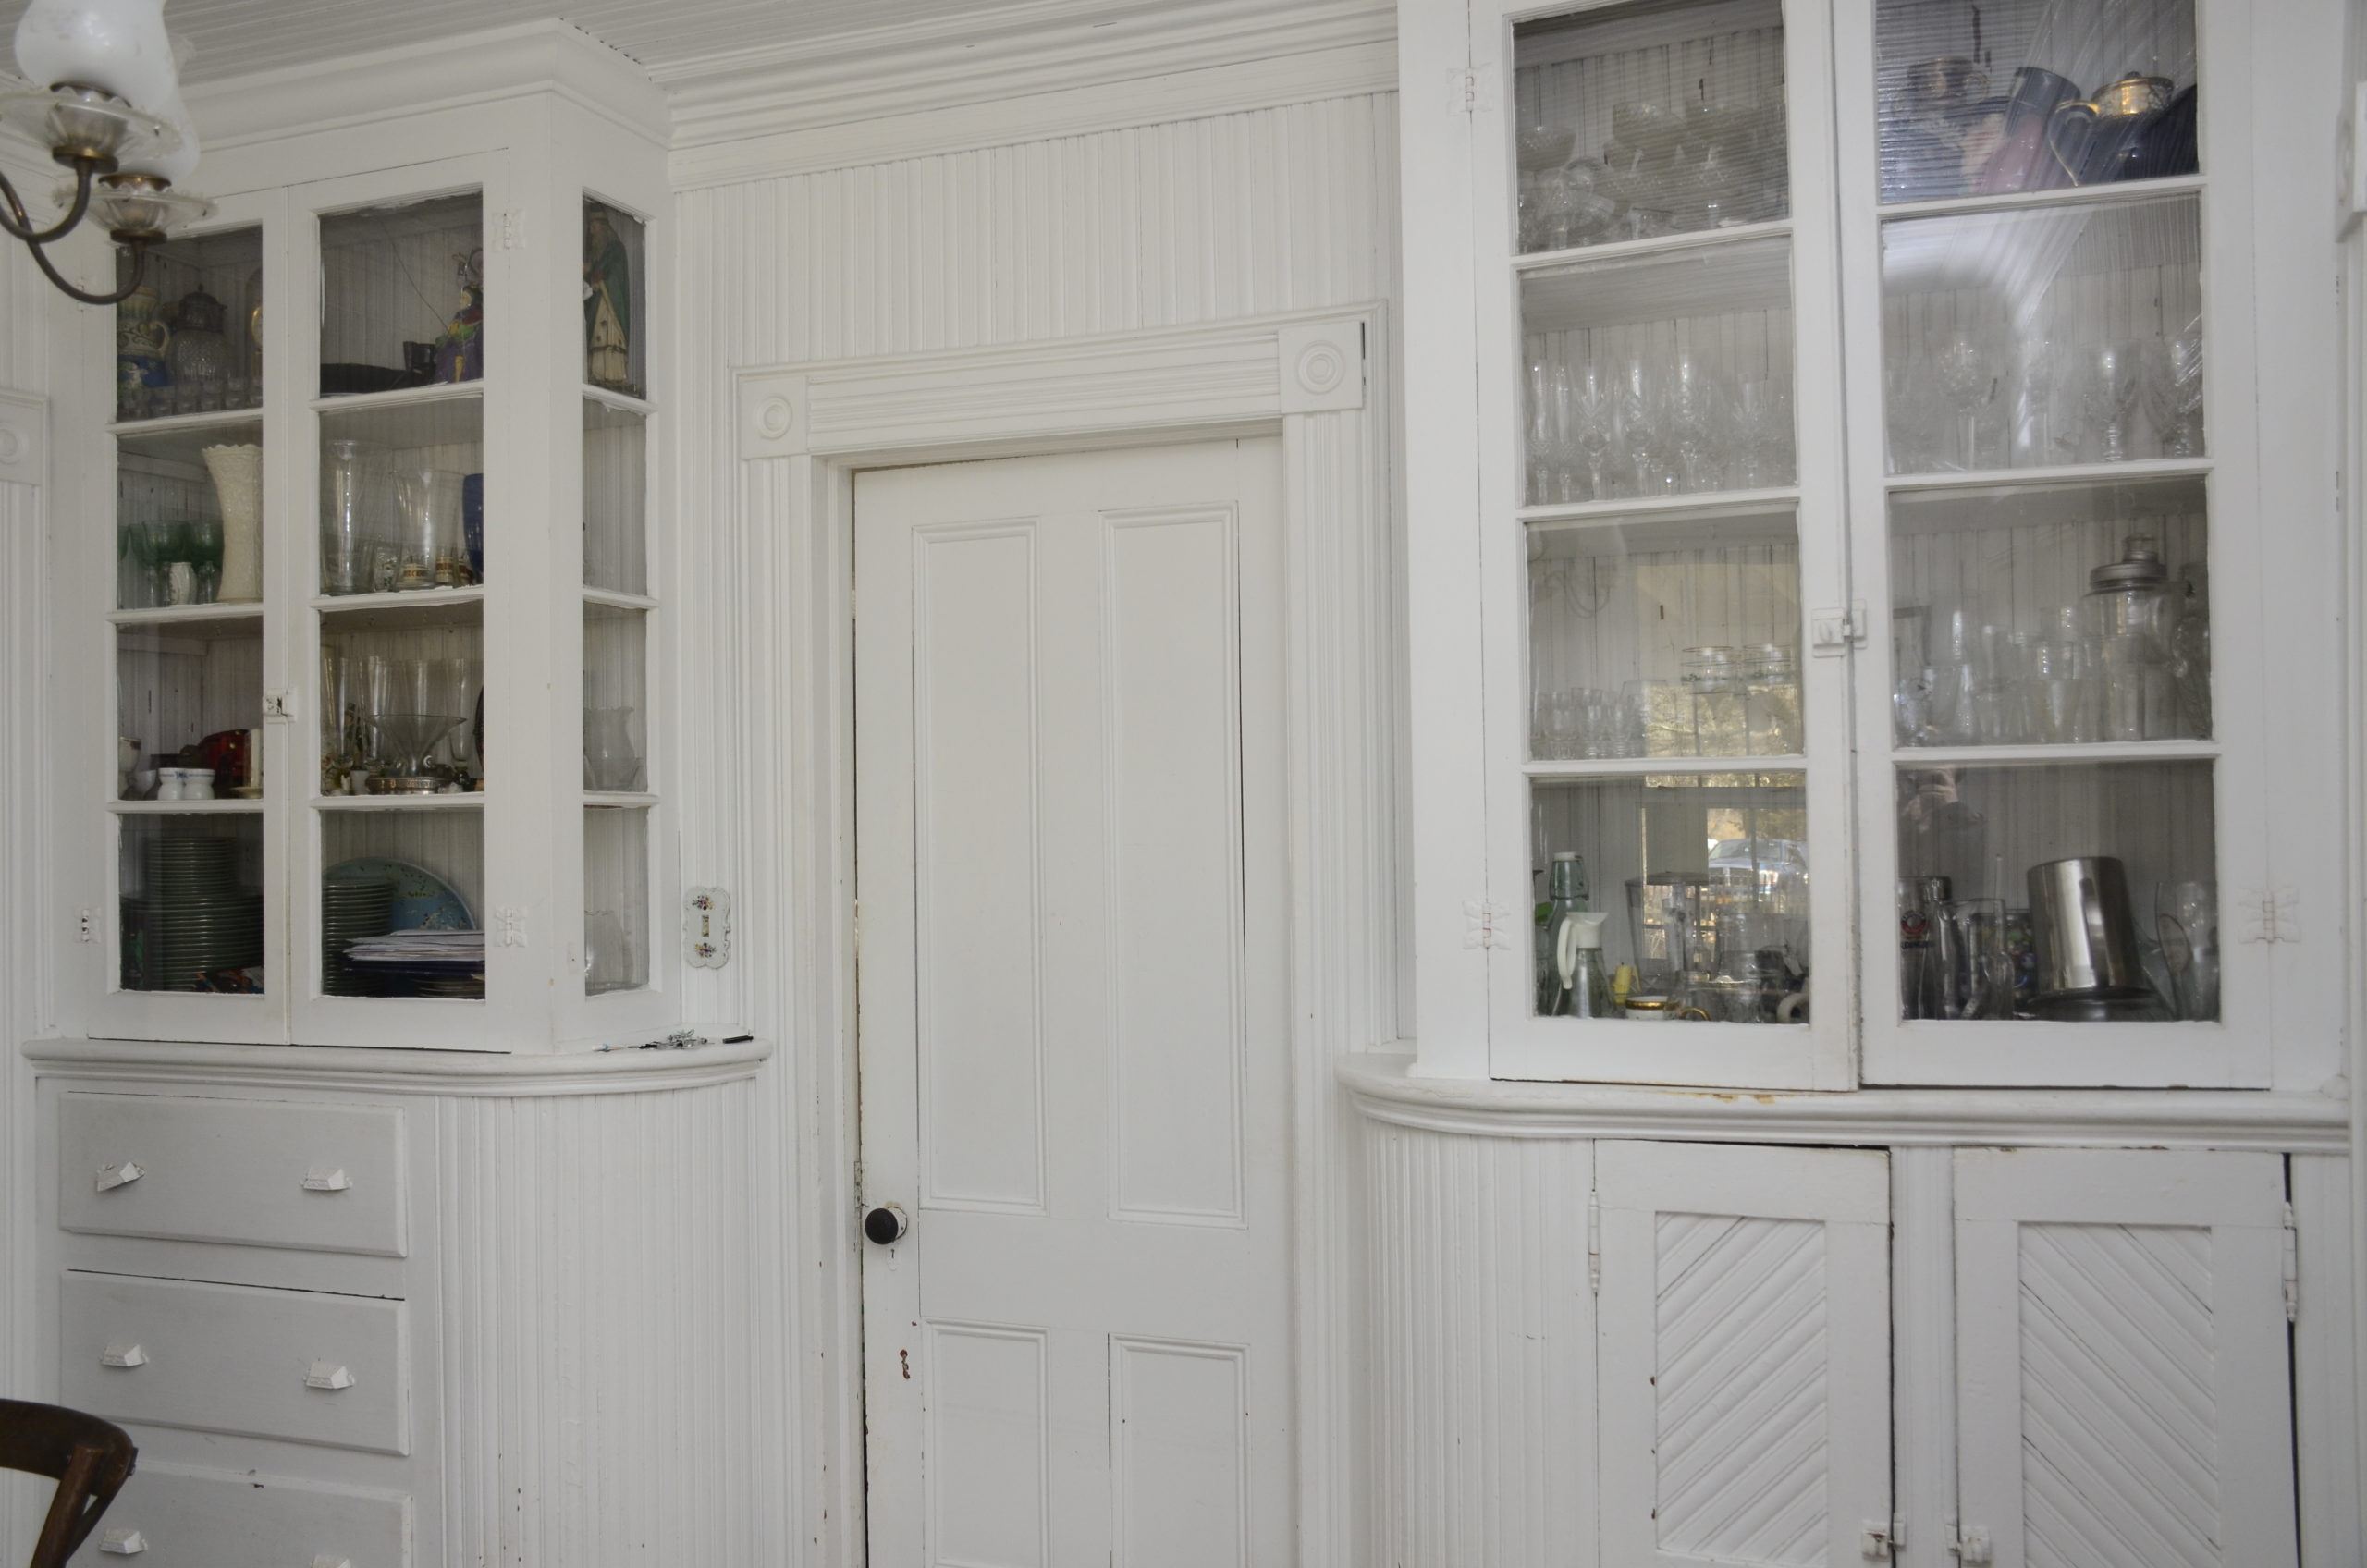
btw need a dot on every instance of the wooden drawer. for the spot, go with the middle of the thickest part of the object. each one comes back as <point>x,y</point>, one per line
<point>228,1358</point>
<point>168,1517</point>
<point>275,1174</point>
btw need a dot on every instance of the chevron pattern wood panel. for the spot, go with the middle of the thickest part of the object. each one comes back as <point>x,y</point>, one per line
<point>2120,1462</point>
<point>1741,1380</point>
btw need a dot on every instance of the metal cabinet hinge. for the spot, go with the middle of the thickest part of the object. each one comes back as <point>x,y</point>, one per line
<point>1594,1243</point>
<point>1878,1538</point>
<point>1486,926</point>
<point>2292,1262</point>
<point>1470,90</point>
<point>513,229</point>
<point>1970,1546</point>
<point>510,922</point>
<point>2269,914</point>
<point>1833,632</point>
<point>86,926</point>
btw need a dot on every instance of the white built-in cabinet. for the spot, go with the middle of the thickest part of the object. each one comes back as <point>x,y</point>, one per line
<point>421,643</point>
<point>1859,452</point>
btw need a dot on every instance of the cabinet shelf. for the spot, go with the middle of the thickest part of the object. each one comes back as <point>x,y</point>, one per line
<point>189,615</point>
<point>608,599</point>
<point>465,801</point>
<point>2035,756</point>
<point>418,608</point>
<point>623,402</point>
<point>2025,201</point>
<point>2137,471</point>
<point>1721,273</point>
<point>624,799</point>
<point>216,422</point>
<point>1658,247</point>
<point>1708,504</point>
<point>233,806</point>
<point>401,398</point>
<point>1633,768</point>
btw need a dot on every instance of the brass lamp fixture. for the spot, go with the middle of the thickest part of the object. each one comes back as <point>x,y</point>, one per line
<point>112,113</point>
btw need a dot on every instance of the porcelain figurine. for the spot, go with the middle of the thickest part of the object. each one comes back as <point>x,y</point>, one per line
<point>460,353</point>
<point>142,380</point>
<point>607,305</point>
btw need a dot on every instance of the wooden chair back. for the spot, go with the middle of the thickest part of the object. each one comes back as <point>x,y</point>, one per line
<point>89,1459</point>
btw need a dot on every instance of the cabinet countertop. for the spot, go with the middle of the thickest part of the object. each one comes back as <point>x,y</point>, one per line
<point>1384,1089</point>
<point>468,1073</point>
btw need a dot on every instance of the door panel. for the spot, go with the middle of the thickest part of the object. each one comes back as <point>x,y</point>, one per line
<point>2123,1383</point>
<point>1071,877</point>
<point>1745,1379</point>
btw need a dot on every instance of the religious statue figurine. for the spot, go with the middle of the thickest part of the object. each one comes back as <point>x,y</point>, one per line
<point>607,305</point>
<point>460,353</point>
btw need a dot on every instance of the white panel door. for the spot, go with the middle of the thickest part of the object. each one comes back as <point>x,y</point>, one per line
<point>2123,1395</point>
<point>1745,1353</point>
<point>1072,888</point>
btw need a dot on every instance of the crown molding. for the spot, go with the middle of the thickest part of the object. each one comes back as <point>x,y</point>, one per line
<point>1020,51</point>
<point>1350,71</point>
<point>480,68</point>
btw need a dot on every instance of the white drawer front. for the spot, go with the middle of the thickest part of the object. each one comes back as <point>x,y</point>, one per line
<point>228,1358</point>
<point>172,1517</point>
<point>277,1173</point>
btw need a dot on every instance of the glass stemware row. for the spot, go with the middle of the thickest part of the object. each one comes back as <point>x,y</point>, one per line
<point>1653,426</point>
<point>1971,398</point>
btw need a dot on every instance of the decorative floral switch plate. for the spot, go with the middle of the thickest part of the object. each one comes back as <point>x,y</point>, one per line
<point>706,927</point>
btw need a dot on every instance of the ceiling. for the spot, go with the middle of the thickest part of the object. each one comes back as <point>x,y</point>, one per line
<point>671,39</point>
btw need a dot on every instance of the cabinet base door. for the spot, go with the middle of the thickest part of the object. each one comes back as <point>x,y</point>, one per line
<point>2124,1389</point>
<point>1743,1322</point>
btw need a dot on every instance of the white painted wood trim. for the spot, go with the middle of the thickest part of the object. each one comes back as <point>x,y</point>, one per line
<point>1384,1090</point>
<point>804,431</point>
<point>24,438</point>
<point>2327,1403</point>
<point>1923,1353</point>
<point>473,1074</point>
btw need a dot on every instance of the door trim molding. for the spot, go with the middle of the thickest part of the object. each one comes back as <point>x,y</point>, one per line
<point>1319,378</point>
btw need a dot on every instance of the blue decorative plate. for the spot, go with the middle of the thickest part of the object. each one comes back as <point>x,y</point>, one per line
<point>423,902</point>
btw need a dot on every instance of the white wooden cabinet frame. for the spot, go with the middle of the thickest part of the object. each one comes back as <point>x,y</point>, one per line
<point>1319,378</point>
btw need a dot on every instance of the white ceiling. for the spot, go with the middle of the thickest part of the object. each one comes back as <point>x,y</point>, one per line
<point>671,39</point>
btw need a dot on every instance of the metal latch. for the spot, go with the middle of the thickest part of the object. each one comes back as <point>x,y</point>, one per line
<point>121,1355</point>
<point>1878,1538</point>
<point>113,1176</point>
<point>1970,1546</point>
<point>1833,632</point>
<point>327,1375</point>
<point>327,1179</point>
<point>122,1543</point>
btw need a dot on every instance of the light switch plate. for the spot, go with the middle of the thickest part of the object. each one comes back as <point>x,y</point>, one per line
<point>706,927</point>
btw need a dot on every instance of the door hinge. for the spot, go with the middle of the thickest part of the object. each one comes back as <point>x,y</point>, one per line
<point>1485,925</point>
<point>2292,1267</point>
<point>1879,1538</point>
<point>1470,89</point>
<point>1969,1546</point>
<point>2269,914</point>
<point>86,926</point>
<point>1594,1243</point>
<point>513,229</point>
<point>1833,632</point>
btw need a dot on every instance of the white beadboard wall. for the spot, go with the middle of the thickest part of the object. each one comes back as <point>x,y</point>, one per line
<point>1199,220</point>
<point>1203,220</point>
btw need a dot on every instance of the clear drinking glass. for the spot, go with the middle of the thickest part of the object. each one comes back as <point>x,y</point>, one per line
<point>351,500</point>
<point>2115,373</point>
<point>2185,920</point>
<point>1967,372</point>
<point>431,552</point>
<point>1693,418</point>
<point>2174,393</point>
<point>1640,428</point>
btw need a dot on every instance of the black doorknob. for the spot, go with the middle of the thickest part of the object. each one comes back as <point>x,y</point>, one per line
<point>886,1225</point>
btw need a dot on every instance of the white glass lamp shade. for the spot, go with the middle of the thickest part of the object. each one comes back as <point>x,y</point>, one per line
<point>118,46</point>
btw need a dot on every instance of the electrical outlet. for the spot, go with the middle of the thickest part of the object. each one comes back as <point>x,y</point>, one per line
<point>86,926</point>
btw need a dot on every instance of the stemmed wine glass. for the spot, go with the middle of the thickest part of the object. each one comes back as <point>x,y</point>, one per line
<point>2173,394</point>
<point>1763,429</point>
<point>1592,425</point>
<point>2115,371</point>
<point>1968,375</point>
<point>1692,416</point>
<point>1541,434</point>
<point>1638,426</point>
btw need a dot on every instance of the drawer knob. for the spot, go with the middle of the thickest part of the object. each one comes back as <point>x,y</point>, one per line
<point>120,1354</point>
<point>122,1543</point>
<point>326,1179</point>
<point>113,1176</point>
<point>328,1375</point>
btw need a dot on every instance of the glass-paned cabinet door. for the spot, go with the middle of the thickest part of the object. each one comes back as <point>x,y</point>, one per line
<point>1660,517</point>
<point>2052,484</point>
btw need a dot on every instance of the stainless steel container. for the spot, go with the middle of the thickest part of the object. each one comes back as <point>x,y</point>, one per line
<point>2084,934</point>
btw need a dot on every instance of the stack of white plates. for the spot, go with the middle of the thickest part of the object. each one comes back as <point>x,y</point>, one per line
<point>192,917</point>
<point>352,911</point>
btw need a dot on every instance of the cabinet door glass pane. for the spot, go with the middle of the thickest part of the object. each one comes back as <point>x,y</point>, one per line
<point>1992,99</point>
<point>1650,118</point>
<point>399,899</point>
<point>1665,638</point>
<point>189,708</point>
<point>2042,337</point>
<point>402,708</point>
<point>403,497</point>
<point>2051,614</point>
<point>189,340</point>
<point>616,289</point>
<point>1660,376</point>
<point>616,700</point>
<point>189,515</point>
<point>2075,892</point>
<point>615,900</point>
<point>402,295</point>
<point>1701,884</point>
<point>192,901</point>
<point>616,495</point>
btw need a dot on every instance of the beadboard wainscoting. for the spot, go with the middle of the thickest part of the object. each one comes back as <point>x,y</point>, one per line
<point>1255,214</point>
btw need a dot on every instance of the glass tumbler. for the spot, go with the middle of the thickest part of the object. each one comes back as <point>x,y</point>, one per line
<point>351,506</point>
<point>430,552</point>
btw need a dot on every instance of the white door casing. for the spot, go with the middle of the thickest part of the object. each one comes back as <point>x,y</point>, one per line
<point>804,430</point>
<point>1744,1373</point>
<point>2123,1385</point>
<point>1074,1042</point>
